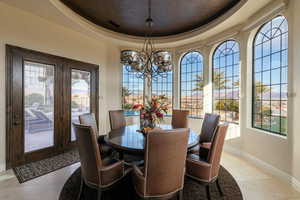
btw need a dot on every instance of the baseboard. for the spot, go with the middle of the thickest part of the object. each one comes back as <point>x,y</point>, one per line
<point>265,166</point>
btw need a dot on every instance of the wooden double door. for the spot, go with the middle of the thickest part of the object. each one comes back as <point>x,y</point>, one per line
<point>45,94</point>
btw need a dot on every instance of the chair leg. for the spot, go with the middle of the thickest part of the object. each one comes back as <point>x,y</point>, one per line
<point>219,188</point>
<point>180,195</point>
<point>99,194</point>
<point>79,197</point>
<point>208,192</point>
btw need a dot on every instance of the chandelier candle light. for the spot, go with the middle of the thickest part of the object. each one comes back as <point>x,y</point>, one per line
<point>149,62</point>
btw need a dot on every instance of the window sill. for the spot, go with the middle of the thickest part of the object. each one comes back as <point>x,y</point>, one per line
<point>268,133</point>
<point>132,115</point>
<point>195,117</point>
<point>136,115</point>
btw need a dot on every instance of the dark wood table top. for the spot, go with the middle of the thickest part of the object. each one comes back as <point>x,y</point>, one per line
<point>128,140</point>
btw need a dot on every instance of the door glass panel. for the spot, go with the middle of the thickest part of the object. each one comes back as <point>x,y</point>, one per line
<point>80,95</point>
<point>38,106</point>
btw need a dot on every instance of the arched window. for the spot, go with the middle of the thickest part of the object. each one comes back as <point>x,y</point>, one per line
<point>132,91</point>
<point>226,81</point>
<point>164,86</point>
<point>191,83</point>
<point>270,76</point>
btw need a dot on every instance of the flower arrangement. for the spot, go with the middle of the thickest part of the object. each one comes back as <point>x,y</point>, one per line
<point>153,111</point>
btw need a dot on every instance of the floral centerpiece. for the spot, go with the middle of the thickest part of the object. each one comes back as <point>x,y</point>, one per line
<point>152,112</point>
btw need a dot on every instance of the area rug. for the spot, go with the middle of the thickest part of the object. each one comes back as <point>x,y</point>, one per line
<point>125,190</point>
<point>36,169</point>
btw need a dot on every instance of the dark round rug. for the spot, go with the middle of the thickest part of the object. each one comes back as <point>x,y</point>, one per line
<point>125,190</point>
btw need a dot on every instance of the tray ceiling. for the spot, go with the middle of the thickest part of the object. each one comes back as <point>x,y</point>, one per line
<point>170,17</point>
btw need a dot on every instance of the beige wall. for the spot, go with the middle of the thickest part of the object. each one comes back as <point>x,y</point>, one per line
<point>295,79</point>
<point>32,32</point>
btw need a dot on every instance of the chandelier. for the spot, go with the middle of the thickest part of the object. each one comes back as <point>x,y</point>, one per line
<point>149,62</point>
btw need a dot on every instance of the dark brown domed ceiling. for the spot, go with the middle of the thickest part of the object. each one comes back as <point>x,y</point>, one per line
<point>170,16</point>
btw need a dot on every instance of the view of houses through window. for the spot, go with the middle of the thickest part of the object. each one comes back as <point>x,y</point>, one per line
<point>270,76</point>
<point>226,80</point>
<point>164,86</point>
<point>191,83</point>
<point>132,91</point>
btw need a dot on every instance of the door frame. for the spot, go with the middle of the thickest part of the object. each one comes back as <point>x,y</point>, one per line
<point>15,154</point>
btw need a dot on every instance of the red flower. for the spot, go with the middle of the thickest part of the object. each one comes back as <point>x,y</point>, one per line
<point>159,115</point>
<point>137,106</point>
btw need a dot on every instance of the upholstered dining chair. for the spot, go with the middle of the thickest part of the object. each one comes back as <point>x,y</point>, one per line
<point>180,118</point>
<point>163,173</point>
<point>208,131</point>
<point>96,173</point>
<point>90,120</point>
<point>117,119</point>
<point>206,172</point>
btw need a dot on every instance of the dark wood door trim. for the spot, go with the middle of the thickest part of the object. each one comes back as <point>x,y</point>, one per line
<point>94,93</point>
<point>15,57</point>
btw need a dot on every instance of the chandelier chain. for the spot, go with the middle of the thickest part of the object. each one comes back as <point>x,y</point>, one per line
<point>148,63</point>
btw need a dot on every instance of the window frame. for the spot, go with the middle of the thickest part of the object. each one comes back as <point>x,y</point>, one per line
<point>239,78</point>
<point>123,69</point>
<point>253,86</point>
<point>172,91</point>
<point>180,83</point>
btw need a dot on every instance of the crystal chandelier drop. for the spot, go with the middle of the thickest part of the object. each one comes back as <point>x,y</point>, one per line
<point>149,62</point>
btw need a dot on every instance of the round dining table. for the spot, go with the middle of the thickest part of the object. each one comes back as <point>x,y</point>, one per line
<point>130,141</point>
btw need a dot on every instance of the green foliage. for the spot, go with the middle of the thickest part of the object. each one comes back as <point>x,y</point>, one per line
<point>220,81</point>
<point>260,88</point>
<point>228,105</point>
<point>199,84</point>
<point>34,98</point>
<point>266,111</point>
<point>74,104</point>
<point>127,106</point>
<point>125,92</point>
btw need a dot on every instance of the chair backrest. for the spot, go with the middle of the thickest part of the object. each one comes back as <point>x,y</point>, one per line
<point>117,119</point>
<point>89,153</point>
<point>165,158</point>
<point>89,120</point>
<point>180,118</point>
<point>209,127</point>
<point>215,153</point>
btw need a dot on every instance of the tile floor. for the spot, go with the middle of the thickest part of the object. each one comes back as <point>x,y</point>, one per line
<point>254,183</point>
